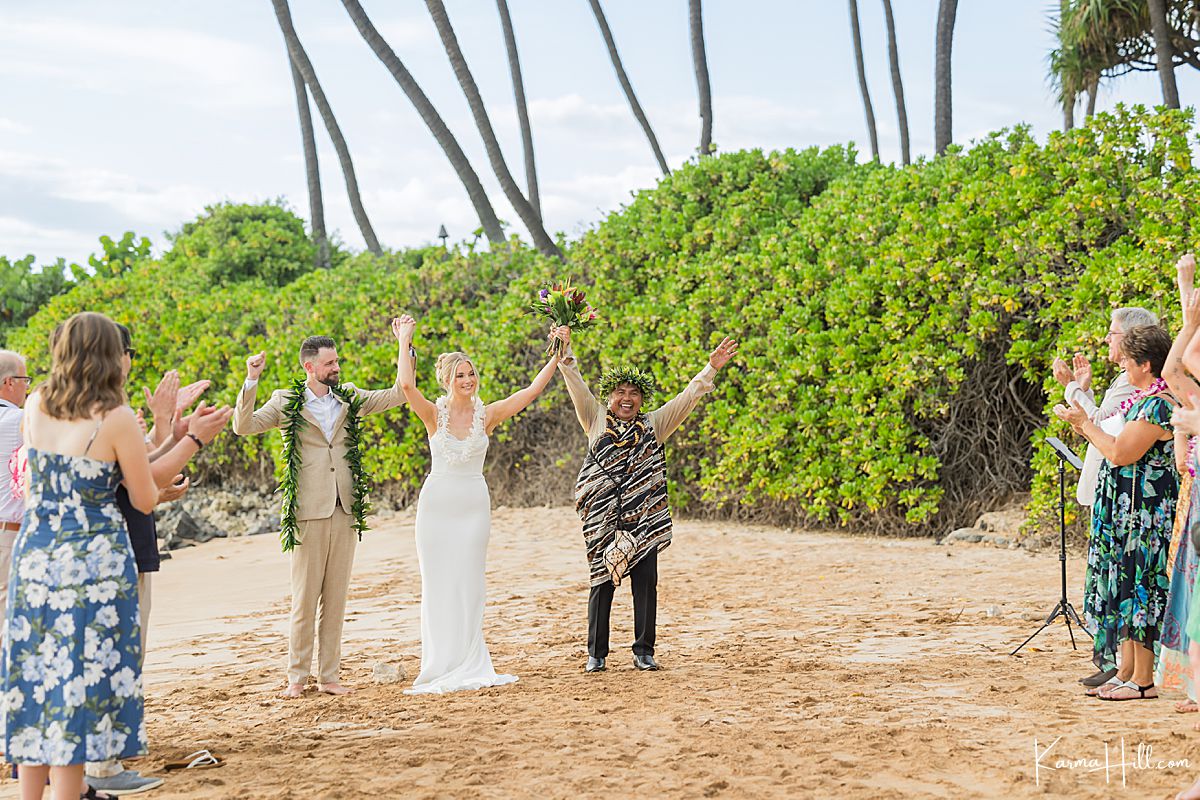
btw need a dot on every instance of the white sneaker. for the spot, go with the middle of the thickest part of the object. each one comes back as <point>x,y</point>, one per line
<point>127,782</point>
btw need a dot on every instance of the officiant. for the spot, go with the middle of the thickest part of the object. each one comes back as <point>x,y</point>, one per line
<point>621,491</point>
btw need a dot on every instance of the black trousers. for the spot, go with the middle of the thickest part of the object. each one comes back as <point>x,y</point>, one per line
<point>643,582</point>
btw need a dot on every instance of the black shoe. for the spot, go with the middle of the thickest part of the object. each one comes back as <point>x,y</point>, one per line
<point>1098,678</point>
<point>594,665</point>
<point>644,663</point>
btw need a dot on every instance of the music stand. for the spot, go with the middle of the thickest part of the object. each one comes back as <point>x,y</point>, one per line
<point>1064,607</point>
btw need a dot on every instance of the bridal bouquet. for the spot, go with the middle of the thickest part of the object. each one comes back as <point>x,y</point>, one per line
<point>563,304</point>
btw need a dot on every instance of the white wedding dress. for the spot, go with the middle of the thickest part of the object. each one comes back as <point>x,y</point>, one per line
<point>454,520</point>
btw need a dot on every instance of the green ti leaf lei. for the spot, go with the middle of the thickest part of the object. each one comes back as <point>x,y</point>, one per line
<point>293,419</point>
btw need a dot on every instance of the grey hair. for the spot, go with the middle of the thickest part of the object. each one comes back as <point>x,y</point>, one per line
<point>11,364</point>
<point>1132,316</point>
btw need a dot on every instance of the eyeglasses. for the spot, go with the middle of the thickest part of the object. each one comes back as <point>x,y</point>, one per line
<point>131,352</point>
<point>25,378</point>
<point>1111,335</point>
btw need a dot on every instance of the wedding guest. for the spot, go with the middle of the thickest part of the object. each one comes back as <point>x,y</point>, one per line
<point>72,648</point>
<point>319,497</point>
<point>621,491</point>
<point>1077,386</point>
<point>1125,586</point>
<point>14,385</point>
<point>1174,669</point>
<point>165,403</point>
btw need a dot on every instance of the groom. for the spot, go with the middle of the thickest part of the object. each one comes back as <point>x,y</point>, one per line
<point>621,492</point>
<point>324,499</point>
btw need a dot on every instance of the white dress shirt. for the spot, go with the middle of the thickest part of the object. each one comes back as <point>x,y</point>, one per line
<point>12,507</point>
<point>325,408</point>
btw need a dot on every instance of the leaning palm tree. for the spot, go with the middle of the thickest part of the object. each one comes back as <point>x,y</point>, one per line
<point>862,80</point>
<point>491,144</point>
<point>626,86</point>
<point>514,70</point>
<point>897,84</point>
<point>316,206</point>
<point>700,62</point>
<point>947,9</point>
<point>437,126</point>
<point>1164,52</point>
<point>300,60</point>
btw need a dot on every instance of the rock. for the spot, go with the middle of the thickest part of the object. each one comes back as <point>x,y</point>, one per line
<point>388,673</point>
<point>993,611</point>
<point>177,528</point>
<point>1008,521</point>
<point>268,524</point>
<point>969,535</point>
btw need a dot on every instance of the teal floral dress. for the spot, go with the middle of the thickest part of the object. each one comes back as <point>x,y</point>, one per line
<point>1125,591</point>
<point>72,645</point>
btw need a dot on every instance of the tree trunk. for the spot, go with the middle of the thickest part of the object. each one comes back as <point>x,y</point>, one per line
<point>514,69</point>
<point>1068,109</point>
<point>623,79</point>
<point>700,61</point>
<point>300,60</point>
<point>897,84</point>
<point>943,113</point>
<point>1093,90</point>
<point>316,206</point>
<point>437,126</point>
<point>1164,52</point>
<point>533,224</point>
<point>862,80</point>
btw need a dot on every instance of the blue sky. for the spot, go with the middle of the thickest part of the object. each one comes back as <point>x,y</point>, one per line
<point>134,115</point>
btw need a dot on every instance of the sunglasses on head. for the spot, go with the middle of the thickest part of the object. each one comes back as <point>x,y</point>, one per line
<point>131,352</point>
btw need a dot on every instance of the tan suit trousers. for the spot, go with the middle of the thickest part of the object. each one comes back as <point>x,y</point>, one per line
<point>321,566</point>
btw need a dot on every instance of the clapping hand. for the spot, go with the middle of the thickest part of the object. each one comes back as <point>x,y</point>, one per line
<point>1185,270</point>
<point>207,421</point>
<point>254,366</point>
<point>1073,414</point>
<point>162,401</point>
<point>1083,371</point>
<point>1061,372</point>
<point>176,490</point>
<point>726,350</point>
<point>189,394</point>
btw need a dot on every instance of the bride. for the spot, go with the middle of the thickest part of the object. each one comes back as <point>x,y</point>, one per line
<point>454,518</point>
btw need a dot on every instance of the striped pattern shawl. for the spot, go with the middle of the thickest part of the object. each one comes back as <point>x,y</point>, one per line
<point>621,496</point>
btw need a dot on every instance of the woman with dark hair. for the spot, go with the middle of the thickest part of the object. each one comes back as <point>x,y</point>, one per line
<point>72,648</point>
<point>1125,592</point>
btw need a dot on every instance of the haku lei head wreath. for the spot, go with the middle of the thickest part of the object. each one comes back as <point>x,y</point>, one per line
<point>644,381</point>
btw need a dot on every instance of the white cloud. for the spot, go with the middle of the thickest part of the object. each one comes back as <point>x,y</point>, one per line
<point>20,237</point>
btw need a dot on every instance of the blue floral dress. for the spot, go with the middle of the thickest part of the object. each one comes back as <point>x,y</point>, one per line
<point>1125,591</point>
<point>72,644</point>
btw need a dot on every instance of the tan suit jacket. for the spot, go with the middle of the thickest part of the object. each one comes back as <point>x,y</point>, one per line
<point>324,472</point>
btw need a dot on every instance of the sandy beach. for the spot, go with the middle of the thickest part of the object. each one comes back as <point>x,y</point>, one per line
<point>796,664</point>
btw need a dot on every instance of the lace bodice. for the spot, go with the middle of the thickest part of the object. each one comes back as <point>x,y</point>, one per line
<point>452,455</point>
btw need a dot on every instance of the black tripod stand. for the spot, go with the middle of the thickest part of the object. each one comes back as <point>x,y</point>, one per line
<point>1064,607</point>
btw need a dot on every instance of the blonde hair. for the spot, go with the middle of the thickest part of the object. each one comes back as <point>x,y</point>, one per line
<point>85,376</point>
<point>447,365</point>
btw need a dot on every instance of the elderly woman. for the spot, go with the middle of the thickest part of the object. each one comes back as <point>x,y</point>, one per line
<point>1125,591</point>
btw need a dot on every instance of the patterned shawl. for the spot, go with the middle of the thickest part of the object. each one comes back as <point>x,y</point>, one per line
<point>621,496</point>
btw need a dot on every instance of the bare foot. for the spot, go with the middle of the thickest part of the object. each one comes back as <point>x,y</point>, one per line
<point>293,691</point>
<point>333,688</point>
<point>1191,793</point>
<point>1186,707</point>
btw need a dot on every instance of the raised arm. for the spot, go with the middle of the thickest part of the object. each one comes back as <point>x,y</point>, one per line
<point>1182,384</point>
<point>587,407</point>
<point>376,400</point>
<point>202,427</point>
<point>404,328</point>
<point>245,419</point>
<point>517,402</point>
<point>667,419</point>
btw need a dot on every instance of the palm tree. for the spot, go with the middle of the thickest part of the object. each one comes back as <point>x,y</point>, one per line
<point>947,9</point>
<point>700,61</point>
<point>862,80</point>
<point>623,79</point>
<point>300,60</point>
<point>1092,91</point>
<point>1164,52</point>
<point>897,84</point>
<point>514,69</point>
<point>533,224</point>
<point>433,120</point>
<point>315,205</point>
